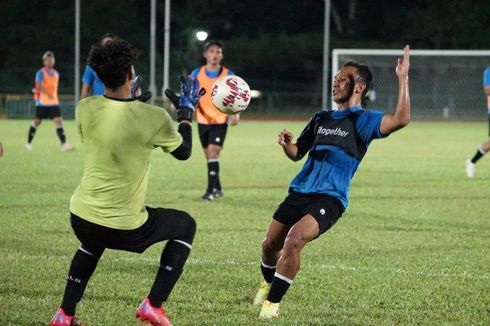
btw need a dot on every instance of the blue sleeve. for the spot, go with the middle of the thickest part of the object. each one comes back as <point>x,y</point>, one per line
<point>486,77</point>
<point>231,73</point>
<point>194,73</point>
<point>368,125</point>
<point>39,76</point>
<point>88,76</point>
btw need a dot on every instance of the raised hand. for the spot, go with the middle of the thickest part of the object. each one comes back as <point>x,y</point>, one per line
<point>187,101</point>
<point>403,64</point>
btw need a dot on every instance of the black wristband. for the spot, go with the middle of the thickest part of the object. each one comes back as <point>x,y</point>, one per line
<point>184,114</point>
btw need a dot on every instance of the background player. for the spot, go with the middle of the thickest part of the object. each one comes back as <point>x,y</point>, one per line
<point>47,103</point>
<point>336,141</point>
<point>485,147</point>
<point>90,81</point>
<point>212,123</point>
<point>107,208</point>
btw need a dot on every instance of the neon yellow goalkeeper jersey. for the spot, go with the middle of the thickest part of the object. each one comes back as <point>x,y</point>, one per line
<point>118,137</point>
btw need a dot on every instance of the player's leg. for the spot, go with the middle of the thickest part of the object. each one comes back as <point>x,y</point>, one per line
<point>212,153</point>
<point>482,150</point>
<point>322,212</point>
<point>205,136</point>
<point>288,264</point>
<point>32,129</point>
<point>81,269</point>
<point>216,139</point>
<point>56,113</point>
<point>180,228</point>
<point>271,250</point>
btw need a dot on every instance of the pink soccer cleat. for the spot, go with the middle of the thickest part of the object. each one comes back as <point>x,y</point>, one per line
<point>62,319</point>
<point>152,315</point>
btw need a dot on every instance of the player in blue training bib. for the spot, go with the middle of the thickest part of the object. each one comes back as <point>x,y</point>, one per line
<point>485,147</point>
<point>336,142</point>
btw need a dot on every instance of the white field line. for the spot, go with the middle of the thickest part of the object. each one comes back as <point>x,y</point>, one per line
<point>199,261</point>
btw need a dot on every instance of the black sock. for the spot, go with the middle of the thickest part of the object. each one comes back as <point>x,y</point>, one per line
<point>30,135</point>
<point>279,287</point>
<point>82,267</point>
<point>61,135</point>
<point>213,174</point>
<point>478,155</point>
<point>172,263</point>
<point>217,185</point>
<point>267,272</point>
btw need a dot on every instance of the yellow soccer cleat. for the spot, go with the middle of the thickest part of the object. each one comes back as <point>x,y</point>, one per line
<point>262,293</point>
<point>269,310</point>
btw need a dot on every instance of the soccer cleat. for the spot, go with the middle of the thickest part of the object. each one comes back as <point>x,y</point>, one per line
<point>269,310</point>
<point>218,193</point>
<point>470,169</point>
<point>152,315</point>
<point>67,148</point>
<point>208,196</point>
<point>62,319</point>
<point>262,293</point>
<point>28,147</point>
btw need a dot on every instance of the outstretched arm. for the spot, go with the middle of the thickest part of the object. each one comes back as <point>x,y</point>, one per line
<point>401,118</point>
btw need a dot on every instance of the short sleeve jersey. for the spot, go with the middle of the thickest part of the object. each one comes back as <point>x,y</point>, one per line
<point>90,79</point>
<point>486,77</point>
<point>336,142</point>
<point>119,137</point>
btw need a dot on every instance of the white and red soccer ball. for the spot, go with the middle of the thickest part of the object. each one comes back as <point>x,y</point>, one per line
<point>231,94</point>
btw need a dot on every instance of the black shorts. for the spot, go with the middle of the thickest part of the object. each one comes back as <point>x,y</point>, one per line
<point>48,112</point>
<point>212,134</point>
<point>162,224</point>
<point>325,209</point>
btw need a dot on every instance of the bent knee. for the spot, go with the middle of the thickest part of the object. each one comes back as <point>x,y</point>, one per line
<point>270,245</point>
<point>190,225</point>
<point>293,244</point>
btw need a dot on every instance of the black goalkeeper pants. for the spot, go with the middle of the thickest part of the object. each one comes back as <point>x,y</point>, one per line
<point>162,224</point>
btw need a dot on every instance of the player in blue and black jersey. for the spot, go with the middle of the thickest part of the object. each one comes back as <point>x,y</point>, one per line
<point>485,147</point>
<point>336,142</point>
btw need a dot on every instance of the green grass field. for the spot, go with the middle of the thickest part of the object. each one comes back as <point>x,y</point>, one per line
<point>412,248</point>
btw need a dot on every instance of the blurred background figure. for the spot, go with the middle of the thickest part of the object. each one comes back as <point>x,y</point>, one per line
<point>47,102</point>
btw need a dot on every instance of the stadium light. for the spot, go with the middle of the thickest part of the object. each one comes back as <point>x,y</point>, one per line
<point>201,36</point>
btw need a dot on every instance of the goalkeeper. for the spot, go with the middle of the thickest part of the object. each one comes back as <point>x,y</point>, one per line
<point>108,207</point>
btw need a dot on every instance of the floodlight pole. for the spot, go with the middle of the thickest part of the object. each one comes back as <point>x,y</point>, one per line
<point>77,51</point>
<point>153,87</point>
<point>166,48</point>
<point>326,52</point>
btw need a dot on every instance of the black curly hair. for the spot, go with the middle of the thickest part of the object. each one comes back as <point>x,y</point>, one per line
<point>366,76</point>
<point>112,61</point>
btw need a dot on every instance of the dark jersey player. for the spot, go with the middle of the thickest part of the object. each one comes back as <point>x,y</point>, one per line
<point>212,123</point>
<point>336,142</point>
<point>108,208</point>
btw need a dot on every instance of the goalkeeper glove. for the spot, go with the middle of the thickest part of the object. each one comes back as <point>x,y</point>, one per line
<point>136,85</point>
<point>187,101</point>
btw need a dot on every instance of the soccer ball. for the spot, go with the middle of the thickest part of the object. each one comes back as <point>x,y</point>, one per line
<point>231,94</point>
